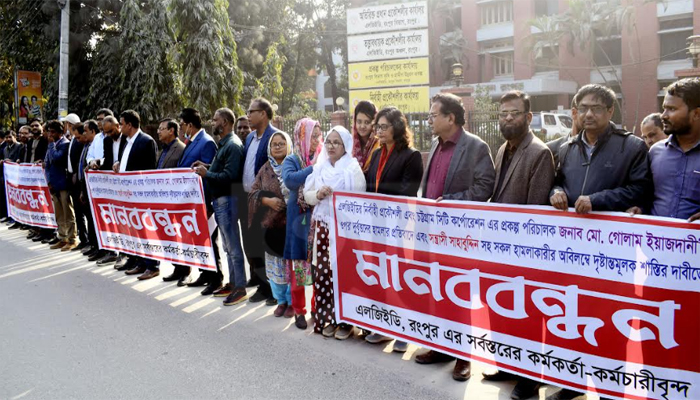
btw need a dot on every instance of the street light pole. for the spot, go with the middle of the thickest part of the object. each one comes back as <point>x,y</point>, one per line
<point>63,61</point>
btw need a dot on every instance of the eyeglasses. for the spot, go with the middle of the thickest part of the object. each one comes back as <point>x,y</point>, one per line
<point>333,144</point>
<point>513,113</point>
<point>432,116</point>
<point>381,127</point>
<point>251,111</point>
<point>597,110</point>
<point>278,145</point>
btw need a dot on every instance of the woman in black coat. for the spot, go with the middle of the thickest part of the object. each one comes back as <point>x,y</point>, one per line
<point>396,169</point>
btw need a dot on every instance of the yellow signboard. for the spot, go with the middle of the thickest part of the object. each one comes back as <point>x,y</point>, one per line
<point>407,99</point>
<point>407,72</point>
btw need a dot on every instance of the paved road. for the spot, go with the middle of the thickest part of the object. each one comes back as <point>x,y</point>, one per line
<point>69,329</point>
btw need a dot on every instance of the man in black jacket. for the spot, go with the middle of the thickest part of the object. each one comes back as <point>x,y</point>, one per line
<point>603,168</point>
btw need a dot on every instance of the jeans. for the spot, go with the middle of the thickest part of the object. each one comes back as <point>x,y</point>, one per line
<point>226,215</point>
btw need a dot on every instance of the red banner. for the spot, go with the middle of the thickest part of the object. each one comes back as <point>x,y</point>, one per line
<point>158,214</point>
<point>603,302</point>
<point>28,197</point>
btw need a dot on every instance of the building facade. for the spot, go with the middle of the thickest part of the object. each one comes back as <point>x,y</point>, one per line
<point>637,61</point>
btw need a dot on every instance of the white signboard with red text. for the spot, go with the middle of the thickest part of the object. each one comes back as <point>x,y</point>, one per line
<point>158,214</point>
<point>604,302</point>
<point>27,193</point>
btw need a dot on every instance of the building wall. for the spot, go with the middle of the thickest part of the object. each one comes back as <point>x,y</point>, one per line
<point>523,11</point>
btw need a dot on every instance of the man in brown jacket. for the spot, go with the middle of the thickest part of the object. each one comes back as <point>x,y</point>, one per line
<point>524,175</point>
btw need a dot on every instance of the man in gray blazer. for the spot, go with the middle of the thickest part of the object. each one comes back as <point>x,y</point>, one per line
<point>524,175</point>
<point>172,150</point>
<point>459,168</point>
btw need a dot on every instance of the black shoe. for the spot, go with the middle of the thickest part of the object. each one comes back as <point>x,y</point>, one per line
<point>201,281</point>
<point>95,256</point>
<point>566,394</point>
<point>32,234</point>
<point>172,277</point>
<point>524,389</point>
<point>251,283</point>
<point>39,238</point>
<point>129,264</point>
<point>271,301</point>
<point>52,241</point>
<point>108,259</point>
<point>211,288</point>
<point>88,251</point>
<point>24,227</point>
<point>257,297</point>
<point>15,226</point>
<point>4,219</point>
<point>81,246</point>
<point>182,281</point>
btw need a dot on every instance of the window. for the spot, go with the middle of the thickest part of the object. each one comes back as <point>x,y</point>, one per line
<point>608,52</point>
<point>546,7</point>
<point>502,64</point>
<point>673,36</point>
<point>496,13</point>
<point>566,121</point>
<point>549,120</point>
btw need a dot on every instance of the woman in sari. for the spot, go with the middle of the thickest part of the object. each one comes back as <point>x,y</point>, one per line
<point>267,204</point>
<point>336,169</point>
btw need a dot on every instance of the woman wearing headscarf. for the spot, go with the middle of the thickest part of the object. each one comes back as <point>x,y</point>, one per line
<point>336,169</point>
<point>295,169</point>
<point>396,169</point>
<point>363,135</point>
<point>267,204</point>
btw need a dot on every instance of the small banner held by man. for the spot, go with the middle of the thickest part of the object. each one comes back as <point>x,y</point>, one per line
<point>28,197</point>
<point>157,214</point>
<point>604,302</point>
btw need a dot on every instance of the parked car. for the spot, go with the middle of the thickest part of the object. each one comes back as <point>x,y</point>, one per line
<point>551,126</point>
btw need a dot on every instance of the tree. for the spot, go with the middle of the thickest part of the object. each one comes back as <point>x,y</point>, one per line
<point>207,53</point>
<point>270,84</point>
<point>147,74</point>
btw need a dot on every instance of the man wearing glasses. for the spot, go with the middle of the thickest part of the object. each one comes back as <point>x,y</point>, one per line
<point>259,116</point>
<point>459,168</point>
<point>96,152</point>
<point>603,168</point>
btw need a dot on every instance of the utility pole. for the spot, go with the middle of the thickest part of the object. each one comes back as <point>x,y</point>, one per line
<point>63,61</point>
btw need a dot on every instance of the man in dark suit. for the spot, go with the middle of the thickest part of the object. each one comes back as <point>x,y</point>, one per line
<point>524,175</point>
<point>75,149</point>
<point>86,138</point>
<point>173,148</point>
<point>200,147</point>
<point>136,153</point>
<point>110,145</point>
<point>459,168</point>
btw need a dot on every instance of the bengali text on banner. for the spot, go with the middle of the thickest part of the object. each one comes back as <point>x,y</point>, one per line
<point>604,302</point>
<point>28,197</point>
<point>158,214</point>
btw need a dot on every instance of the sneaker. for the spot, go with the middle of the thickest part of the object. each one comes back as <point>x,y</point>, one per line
<point>237,296</point>
<point>108,259</point>
<point>224,291</point>
<point>289,312</point>
<point>400,347</point>
<point>270,302</point>
<point>344,331</point>
<point>280,310</point>
<point>329,330</point>
<point>257,297</point>
<point>376,338</point>
<point>300,322</point>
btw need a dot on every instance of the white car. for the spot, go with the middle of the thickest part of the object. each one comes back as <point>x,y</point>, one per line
<point>553,126</point>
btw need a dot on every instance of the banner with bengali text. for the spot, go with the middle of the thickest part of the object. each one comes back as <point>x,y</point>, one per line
<point>157,214</point>
<point>603,302</point>
<point>27,194</point>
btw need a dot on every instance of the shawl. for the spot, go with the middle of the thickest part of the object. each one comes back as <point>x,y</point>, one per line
<point>303,131</point>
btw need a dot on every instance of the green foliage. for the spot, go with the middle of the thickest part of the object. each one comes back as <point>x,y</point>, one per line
<point>270,84</point>
<point>207,53</point>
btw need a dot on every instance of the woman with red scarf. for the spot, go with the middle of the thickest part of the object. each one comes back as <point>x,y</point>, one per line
<point>363,136</point>
<point>395,169</point>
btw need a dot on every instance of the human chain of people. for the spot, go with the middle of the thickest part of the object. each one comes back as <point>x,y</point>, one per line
<point>398,244</point>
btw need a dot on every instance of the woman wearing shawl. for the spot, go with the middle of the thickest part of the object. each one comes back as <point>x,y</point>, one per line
<point>363,136</point>
<point>336,169</point>
<point>267,204</point>
<point>295,169</point>
<point>396,169</point>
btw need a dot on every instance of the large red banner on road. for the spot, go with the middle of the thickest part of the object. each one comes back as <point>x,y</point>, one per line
<point>28,197</point>
<point>603,302</point>
<point>158,214</point>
